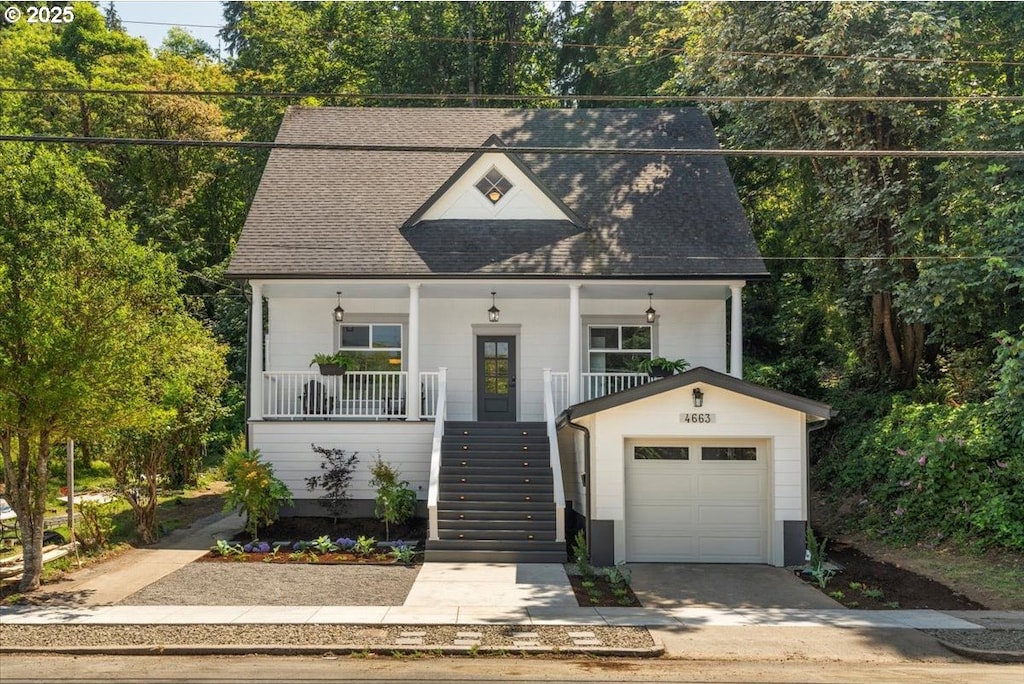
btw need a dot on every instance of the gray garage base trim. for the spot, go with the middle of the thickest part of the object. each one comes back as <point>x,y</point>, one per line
<point>602,542</point>
<point>794,541</point>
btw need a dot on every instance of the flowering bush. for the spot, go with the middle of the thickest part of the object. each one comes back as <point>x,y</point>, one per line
<point>933,472</point>
<point>253,489</point>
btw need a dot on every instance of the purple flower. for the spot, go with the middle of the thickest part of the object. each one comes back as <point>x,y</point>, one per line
<point>1002,465</point>
<point>262,547</point>
<point>921,461</point>
<point>899,511</point>
<point>247,548</point>
<point>345,543</point>
<point>901,452</point>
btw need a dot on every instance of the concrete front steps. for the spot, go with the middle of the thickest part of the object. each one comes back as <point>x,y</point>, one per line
<point>495,502</point>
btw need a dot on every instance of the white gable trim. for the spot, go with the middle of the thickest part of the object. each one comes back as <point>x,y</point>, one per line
<point>525,201</point>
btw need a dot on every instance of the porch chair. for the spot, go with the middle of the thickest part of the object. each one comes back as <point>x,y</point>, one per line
<point>315,399</point>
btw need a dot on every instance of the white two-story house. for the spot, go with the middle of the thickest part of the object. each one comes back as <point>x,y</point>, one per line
<point>497,279</point>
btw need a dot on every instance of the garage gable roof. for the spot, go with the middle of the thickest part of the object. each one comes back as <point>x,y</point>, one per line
<point>813,409</point>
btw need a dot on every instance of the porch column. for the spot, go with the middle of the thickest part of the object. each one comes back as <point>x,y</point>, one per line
<point>574,343</point>
<point>412,385</point>
<point>256,353</point>
<point>736,341</point>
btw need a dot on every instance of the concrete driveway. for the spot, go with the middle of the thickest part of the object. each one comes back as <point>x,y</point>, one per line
<point>672,585</point>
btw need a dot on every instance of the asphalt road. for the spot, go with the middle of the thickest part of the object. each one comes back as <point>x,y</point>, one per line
<point>147,669</point>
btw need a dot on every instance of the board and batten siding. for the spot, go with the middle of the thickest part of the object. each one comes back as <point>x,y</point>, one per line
<point>287,446</point>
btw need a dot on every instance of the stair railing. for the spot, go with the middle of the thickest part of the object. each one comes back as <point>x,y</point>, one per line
<point>440,414</point>
<point>556,461</point>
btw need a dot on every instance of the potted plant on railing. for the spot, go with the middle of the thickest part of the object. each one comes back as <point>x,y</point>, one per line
<point>660,367</point>
<point>333,364</point>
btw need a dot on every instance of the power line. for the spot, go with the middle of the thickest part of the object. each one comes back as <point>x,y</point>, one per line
<point>666,50</point>
<point>522,98</point>
<point>516,149</point>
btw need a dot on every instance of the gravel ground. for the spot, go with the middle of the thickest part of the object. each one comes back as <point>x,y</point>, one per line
<point>339,636</point>
<point>268,584</point>
<point>983,639</point>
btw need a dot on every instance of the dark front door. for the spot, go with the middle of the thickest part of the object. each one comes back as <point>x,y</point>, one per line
<point>496,378</point>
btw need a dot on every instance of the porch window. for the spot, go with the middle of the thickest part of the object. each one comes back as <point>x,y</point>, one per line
<point>374,346</point>
<point>618,348</point>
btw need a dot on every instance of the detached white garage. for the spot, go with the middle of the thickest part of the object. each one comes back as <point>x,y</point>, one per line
<point>697,468</point>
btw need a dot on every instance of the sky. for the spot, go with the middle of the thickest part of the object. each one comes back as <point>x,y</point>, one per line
<point>150,19</point>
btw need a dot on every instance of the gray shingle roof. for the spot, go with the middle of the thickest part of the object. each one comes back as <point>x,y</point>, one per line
<point>814,409</point>
<point>326,213</point>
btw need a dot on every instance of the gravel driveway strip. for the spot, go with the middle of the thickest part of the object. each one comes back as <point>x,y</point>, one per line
<point>269,584</point>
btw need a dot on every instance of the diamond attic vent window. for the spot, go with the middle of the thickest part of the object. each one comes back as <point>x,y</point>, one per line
<point>494,186</point>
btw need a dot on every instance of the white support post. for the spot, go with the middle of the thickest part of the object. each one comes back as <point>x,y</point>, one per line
<point>256,353</point>
<point>412,385</point>
<point>736,341</point>
<point>574,343</point>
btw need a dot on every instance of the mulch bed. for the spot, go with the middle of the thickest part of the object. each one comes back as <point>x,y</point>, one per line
<point>601,594</point>
<point>309,528</point>
<point>900,588</point>
<point>286,531</point>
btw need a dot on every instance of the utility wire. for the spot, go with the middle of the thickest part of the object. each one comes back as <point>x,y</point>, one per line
<point>516,149</point>
<point>665,49</point>
<point>522,98</point>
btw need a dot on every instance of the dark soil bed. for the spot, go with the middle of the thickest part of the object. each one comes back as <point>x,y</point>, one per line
<point>601,594</point>
<point>869,584</point>
<point>309,528</point>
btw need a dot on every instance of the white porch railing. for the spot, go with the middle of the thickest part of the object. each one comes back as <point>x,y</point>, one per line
<point>596,385</point>
<point>429,383</point>
<point>440,414</point>
<point>560,390</point>
<point>556,461</point>
<point>356,394</point>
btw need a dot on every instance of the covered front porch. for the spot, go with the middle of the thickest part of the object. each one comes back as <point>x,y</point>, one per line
<point>583,335</point>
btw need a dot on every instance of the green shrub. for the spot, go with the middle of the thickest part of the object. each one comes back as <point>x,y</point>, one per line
<point>337,468</point>
<point>932,472</point>
<point>396,501</point>
<point>252,488</point>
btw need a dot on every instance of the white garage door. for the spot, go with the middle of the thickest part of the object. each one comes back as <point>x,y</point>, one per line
<point>696,502</point>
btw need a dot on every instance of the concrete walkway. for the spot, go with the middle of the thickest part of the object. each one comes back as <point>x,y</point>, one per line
<point>695,611</point>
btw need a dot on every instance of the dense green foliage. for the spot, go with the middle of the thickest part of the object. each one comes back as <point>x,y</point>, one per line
<point>395,501</point>
<point>895,290</point>
<point>253,490</point>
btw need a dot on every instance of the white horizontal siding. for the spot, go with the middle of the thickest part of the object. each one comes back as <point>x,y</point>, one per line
<point>286,446</point>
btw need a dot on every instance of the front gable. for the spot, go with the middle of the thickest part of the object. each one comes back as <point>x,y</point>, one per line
<point>493,186</point>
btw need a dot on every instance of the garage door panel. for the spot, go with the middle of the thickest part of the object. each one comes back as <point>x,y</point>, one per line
<point>731,549</point>
<point>751,515</point>
<point>667,516</point>
<point>697,511</point>
<point>730,486</point>
<point>658,549</point>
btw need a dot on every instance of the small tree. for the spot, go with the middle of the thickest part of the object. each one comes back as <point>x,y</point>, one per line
<point>396,501</point>
<point>337,467</point>
<point>253,489</point>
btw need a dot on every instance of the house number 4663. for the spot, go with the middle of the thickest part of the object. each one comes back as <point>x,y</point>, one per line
<point>697,417</point>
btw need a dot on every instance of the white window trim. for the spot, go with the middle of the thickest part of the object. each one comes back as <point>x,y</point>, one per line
<point>371,320</point>
<point>617,324</point>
